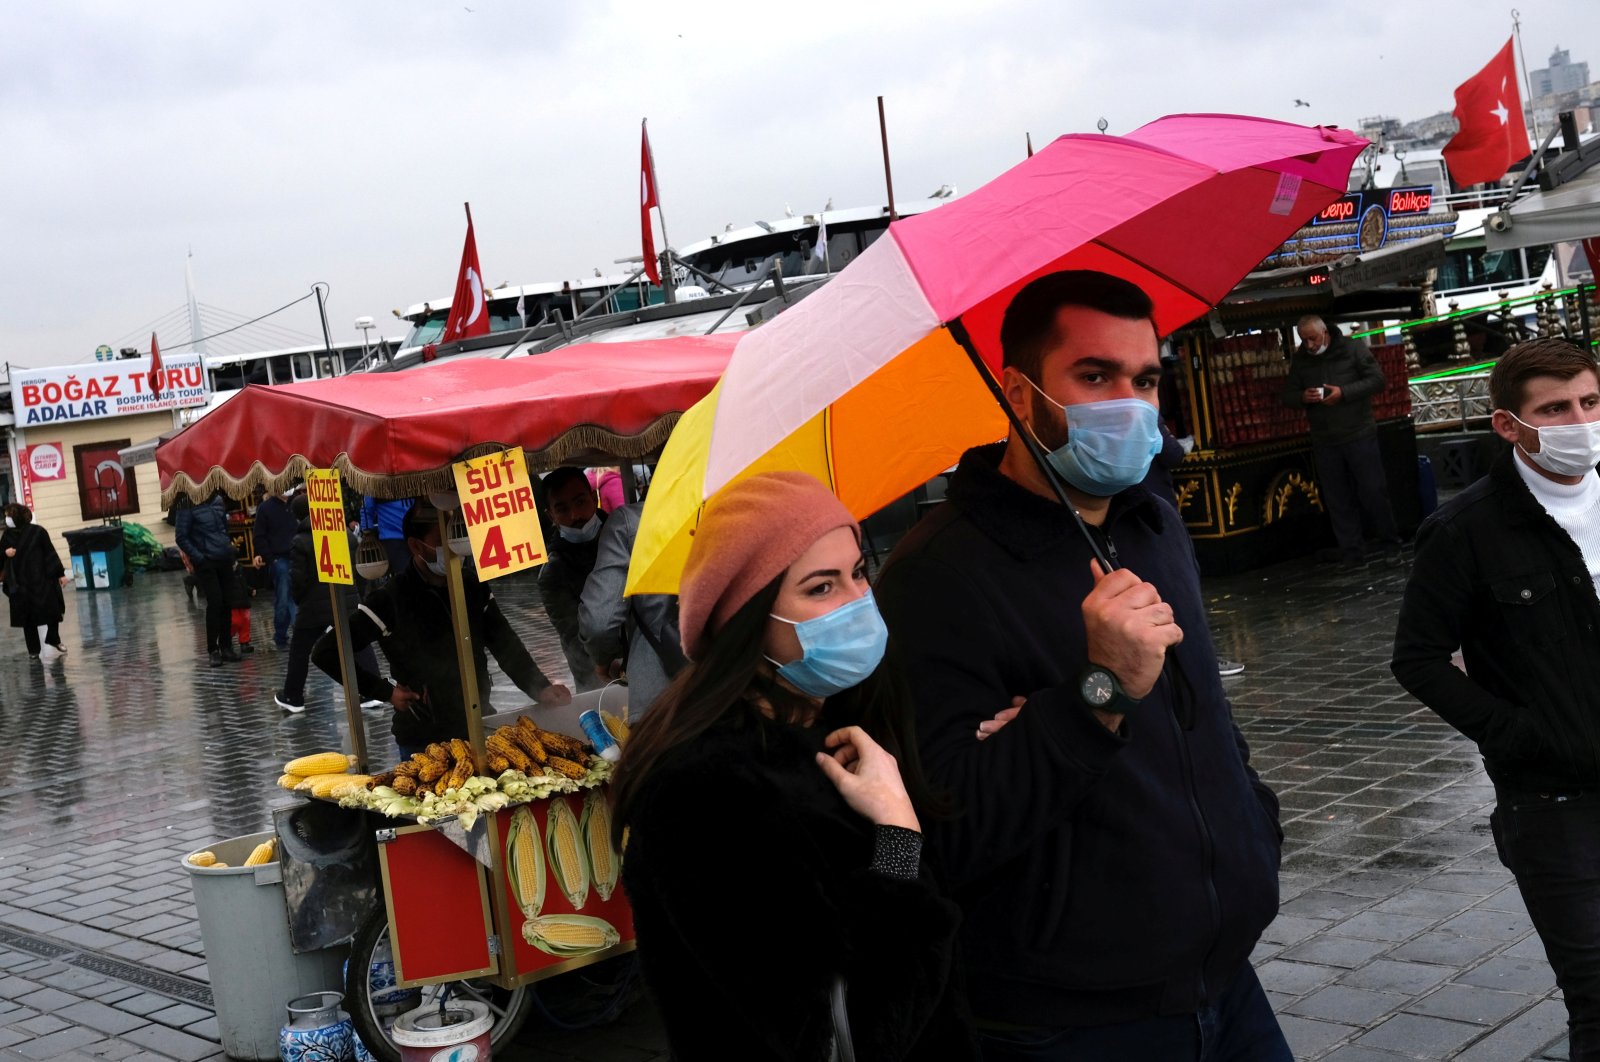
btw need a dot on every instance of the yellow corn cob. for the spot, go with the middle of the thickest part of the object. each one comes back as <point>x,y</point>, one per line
<point>596,829</point>
<point>331,785</point>
<point>309,784</point>
<point>562,765</point>
<point>526,740</point>
<point>203,859</point>
<point>561,745</point>
<point>290,781</point>
<point>219,866</point>
<point>568,865</point>
<point>430,769</point>
<point>498,764</point>
<point>405,784</point>
<point>261,853</point>
<point>508,750</point>
<point>618,727</point>
<point>460,750</point>
<point>564,934</point>
<point>458,774</point>
<point>440,752</point>
<point>318,763</point>
<point>525,862</point>
<point>408,769</point>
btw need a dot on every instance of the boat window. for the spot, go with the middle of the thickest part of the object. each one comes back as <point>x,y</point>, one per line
<point>303,368</point>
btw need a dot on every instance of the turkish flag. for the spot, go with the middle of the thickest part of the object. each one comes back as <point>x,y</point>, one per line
<point>1492,134</point>
<point>469,310</point>
<point>154,379</point>
<point>1591,251</point>
<point>647,199</point>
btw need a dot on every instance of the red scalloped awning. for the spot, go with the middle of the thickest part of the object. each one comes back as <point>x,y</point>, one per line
<point>396,433</point>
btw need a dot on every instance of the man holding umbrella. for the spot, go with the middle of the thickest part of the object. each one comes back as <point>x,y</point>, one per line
<point>1114,854</point>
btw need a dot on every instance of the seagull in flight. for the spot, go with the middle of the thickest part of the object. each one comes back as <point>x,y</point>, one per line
<point>1301,103</point>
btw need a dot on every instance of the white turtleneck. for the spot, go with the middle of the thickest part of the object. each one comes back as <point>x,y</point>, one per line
<point>1575,506</point>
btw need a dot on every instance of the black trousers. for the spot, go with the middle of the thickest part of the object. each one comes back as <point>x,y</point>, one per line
<point>211,578</point>
<point>301,642</point>
<point>30,635</point>
<point>1354,491</point>
<point>1551,843</point>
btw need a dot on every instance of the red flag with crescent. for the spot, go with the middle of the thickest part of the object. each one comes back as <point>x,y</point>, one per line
<point>1492,134</point>
<point>647,199</point>
<point>469,309</point>
<point>154,379</point>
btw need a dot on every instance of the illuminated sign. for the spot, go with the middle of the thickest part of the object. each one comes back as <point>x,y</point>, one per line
<point>1352,206</point>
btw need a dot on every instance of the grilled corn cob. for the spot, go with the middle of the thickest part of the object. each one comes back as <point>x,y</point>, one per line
<point>261,853</point>
<point>562,745</point>
<point>564,934</point>
<point>408,769</point>
<point>509,751</point>
<point>526,740</point>
<point>458,774</point>
<point>460,750</point>
<point>596,829</point>
<point>568,865</point>
<point>405,784</point>
<point>498,764</point>
<point>429,769</point>
<point>318,763</point>
<point>203,859</point>
<point>440,752</point>
<point>525,862</point>
<point>386,778</point>
<point>562,765</point>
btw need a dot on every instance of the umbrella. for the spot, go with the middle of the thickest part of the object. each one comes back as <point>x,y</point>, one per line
<point>396,434</point>
<point>870,384</point>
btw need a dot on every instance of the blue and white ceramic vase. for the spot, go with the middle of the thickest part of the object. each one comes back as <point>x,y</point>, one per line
<point>318,1031</point>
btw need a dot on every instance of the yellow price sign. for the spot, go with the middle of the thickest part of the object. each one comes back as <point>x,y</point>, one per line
<point>502,519</point>
<point>330,536</point>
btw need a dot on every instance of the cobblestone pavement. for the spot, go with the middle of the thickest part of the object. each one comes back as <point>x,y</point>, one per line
<point>1401,936</point>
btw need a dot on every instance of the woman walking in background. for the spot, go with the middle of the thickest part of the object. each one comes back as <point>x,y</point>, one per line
<point>32,577</point>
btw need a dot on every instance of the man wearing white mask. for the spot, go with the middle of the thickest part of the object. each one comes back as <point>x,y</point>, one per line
<point>1507,572</point>
<point>574,509</point>
<point>1334,378</point>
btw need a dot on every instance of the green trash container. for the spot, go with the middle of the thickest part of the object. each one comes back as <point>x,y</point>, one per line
<point>254,971</point>
<point>101,549</point>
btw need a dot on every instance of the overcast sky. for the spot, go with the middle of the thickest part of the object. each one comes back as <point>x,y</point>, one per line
<point>293,142</point>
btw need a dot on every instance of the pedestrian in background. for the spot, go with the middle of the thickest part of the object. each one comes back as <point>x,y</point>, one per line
<point>203,536</point>
<point>240,594</point>
<point>274,534</point>
<point>1507,572</point>
<point>574,509</point>
<point>313,614</point>
<point>388,519</point>
<point>1333,378</point>
<point>635,635</point>
<point>32,576</point>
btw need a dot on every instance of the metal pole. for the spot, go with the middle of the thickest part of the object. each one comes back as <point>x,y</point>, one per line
<point>888,177</point>
<point>322,314</point>
<point>466,662</point>
<point>669,290</point>
<point>1527,81</point>
<point>959,331</point>
<point>347,677</point>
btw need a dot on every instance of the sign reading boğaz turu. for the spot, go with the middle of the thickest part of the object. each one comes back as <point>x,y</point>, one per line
<point>63,393</point>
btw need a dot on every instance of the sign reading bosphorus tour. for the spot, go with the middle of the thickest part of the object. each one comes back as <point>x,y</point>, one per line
<point>500,513</point>
<point>105,389</point>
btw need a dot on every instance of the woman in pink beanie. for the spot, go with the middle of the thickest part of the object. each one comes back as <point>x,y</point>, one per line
<point>772,799</point>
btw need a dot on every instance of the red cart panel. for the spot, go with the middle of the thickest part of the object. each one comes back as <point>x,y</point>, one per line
<point>439,920</point>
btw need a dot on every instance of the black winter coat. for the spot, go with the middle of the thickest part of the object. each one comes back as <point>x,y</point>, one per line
<point>202,532</point>
<point>1102,877</point>
<point>313,608</point>
<point>1349,365</point>
<point>1496,576</point>
<point>750,890</point>
<point>33,577</point>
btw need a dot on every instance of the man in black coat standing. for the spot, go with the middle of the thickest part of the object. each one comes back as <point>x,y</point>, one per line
<point>202,534</point>
<point>1113,853</point>
<point>1507,572</point>
<point>1333,378</point>
<point>274,535</point>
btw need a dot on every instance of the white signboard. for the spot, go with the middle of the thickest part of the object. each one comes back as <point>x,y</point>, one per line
<point>64,393</point>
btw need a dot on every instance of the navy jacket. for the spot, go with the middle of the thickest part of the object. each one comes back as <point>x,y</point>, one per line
<point>202,531</point>
<point>1103,877</point>
<point>1496,576</point>
<point>275,528</point>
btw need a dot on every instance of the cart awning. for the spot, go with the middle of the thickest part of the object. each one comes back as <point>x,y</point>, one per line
<point>396,434</point>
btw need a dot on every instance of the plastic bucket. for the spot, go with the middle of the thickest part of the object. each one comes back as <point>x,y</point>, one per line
<point>457,1032</point>
<point>244,926</point>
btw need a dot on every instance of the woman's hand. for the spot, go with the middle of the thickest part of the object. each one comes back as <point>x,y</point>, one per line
<point>868,778</point>
<point>990,727</point>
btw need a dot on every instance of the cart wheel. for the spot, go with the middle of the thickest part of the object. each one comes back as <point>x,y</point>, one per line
<point>373,1007</point>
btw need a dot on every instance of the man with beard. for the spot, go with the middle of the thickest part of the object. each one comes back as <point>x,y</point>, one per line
<point>1114,855</point>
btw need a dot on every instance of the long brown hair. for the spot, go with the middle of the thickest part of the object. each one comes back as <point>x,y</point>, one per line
<point>728,682</point>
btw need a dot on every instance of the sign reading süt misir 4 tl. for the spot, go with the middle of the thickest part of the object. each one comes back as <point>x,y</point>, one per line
<point>501,516</point>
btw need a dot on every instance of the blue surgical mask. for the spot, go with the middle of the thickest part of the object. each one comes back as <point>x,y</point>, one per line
<point>585,533</point>
<point>840,649</point>
<point>1109,445</point>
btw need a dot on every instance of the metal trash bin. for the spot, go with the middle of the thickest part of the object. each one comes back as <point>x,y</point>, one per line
<point>245,930</point>
<point>100,548</point>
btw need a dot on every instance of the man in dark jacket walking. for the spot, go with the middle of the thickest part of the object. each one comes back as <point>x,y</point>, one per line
<point>1333,379</point>
<point>1113,853</point>
<point>574,508</point>
<point>313,614</point>
<point>1507,572</point>
<point>409,618</point>
<point>202,534</point>
<point>274,534</point>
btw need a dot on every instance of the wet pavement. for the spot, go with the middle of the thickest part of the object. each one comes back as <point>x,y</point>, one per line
<point>1401,936</point>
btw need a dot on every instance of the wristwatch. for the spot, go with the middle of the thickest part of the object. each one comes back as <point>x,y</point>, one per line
<point>1100,690</point>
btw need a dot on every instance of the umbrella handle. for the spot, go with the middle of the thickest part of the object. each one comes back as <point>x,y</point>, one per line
<point>959,331</point>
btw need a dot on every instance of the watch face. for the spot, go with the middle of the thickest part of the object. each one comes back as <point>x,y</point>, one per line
<point>1097,688</point>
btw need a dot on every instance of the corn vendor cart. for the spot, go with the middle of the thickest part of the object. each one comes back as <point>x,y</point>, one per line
<point>502,878</point>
